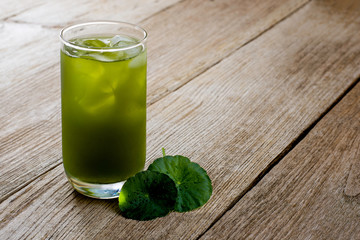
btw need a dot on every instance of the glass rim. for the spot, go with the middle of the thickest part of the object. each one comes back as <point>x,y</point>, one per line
<point>107,49</point>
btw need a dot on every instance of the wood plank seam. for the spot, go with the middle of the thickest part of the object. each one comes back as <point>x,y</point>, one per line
<point>278,158</point>
<point>352,187</point>
<point>9,20</point>
<point>22,11</point>
<point>34,24</point>
<point>158,12</point>
<point>169,91</point>
<point>303,196</point>
<point>20,187</point>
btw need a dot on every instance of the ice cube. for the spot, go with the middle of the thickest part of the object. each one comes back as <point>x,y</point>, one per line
<point>105,56</point>
<point>92,42</point>
<point>133,52</point>
<point>102,104</point>
<point>137,61</point>
<point>121,41</point>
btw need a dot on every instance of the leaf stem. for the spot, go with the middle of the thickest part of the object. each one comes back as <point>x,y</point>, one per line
<point>163,152</point>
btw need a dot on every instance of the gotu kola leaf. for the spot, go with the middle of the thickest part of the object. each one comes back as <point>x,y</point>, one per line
<point>147,195</point>
<point>192,182</point>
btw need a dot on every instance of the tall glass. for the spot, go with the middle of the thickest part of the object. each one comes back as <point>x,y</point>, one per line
<point>103,102</point>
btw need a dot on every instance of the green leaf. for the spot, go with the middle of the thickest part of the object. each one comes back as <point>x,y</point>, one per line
<point>192,182</point>
<point>147,195</point>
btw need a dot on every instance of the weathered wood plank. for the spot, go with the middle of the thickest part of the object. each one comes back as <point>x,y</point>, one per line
<point>65,12</point>
<point>234,120</point>
<point>30,141</point>
<point>9,8</point>
<point>29,100</point>
<point>307,195</point>
<point>204,33</point>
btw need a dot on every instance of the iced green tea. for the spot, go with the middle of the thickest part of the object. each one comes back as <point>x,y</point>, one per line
<point>103,96</point>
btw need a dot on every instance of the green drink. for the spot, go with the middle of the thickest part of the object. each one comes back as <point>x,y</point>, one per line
<point>103,94</point>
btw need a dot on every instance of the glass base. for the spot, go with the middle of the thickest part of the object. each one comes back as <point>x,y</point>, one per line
<point>99,191</point>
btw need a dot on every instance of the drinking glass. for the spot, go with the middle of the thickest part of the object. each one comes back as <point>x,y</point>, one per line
<point>103,103</point>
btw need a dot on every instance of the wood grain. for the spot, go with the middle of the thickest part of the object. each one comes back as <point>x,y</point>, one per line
<point>30,102</point>
<point>204,33</point>
<point>30,135</point>
<point>60,13</point>
<point>9,8</point>
<point>306,195</point>
<point>234,120</point>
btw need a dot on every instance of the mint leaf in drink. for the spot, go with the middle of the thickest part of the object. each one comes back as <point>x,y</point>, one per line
<point>192,182</point>
<point>147,195</point>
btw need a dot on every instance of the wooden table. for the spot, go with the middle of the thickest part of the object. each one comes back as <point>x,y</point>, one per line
<point>263,94</point>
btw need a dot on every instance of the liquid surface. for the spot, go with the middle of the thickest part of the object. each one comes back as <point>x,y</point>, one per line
<point>103,110</point>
